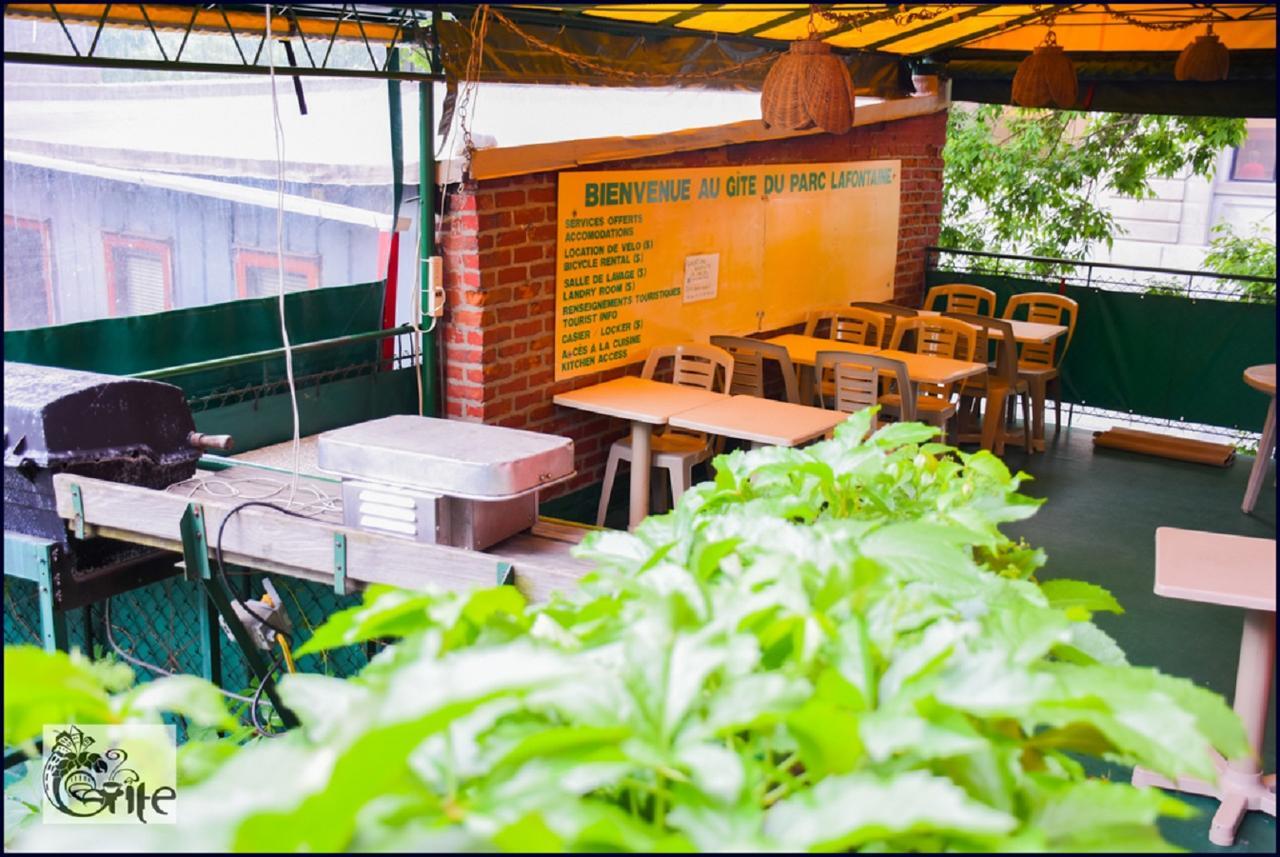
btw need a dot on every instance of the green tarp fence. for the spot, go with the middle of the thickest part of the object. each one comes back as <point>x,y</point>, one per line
<point>123,346</point>
<point>1155,355</point>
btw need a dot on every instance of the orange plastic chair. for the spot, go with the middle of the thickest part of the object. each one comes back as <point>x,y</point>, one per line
<point>962,297</point>
<point>674,450</point>
<point>891,313</point>
<point>1039,364</point>
<point>1000,385</point>
<point>941,337</point>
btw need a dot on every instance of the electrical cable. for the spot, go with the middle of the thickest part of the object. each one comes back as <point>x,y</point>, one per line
<point>222,569</point>
<point>139,662</point>
<point>278,129</point>
<point>257,698</point>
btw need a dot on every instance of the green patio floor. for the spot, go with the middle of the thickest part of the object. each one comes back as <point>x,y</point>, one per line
<point>1099,524</point>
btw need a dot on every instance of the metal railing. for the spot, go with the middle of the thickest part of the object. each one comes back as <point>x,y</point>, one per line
<point>1105,276</point>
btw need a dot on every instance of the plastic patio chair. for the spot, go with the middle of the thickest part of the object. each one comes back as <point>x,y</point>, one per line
<point>962,297</point>
<point>891,313</point>
<point>1000,385</point>
<point>674,450</point>
<point>1039,364</point>
<point>941,337</point>
<point>858,380</point>
<point>857,325</point>
<point>749,358</point>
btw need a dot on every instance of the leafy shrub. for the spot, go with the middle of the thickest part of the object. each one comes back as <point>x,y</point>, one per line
<point>825,648</point>
<point>1251,255</point>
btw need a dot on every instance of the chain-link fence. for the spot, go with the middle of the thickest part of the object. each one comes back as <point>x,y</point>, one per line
<point>156,629</point>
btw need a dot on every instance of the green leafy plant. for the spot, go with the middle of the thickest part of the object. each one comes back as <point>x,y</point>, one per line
<point>1024,181</point>
<point>824,648</point>
<point>1252,255</point>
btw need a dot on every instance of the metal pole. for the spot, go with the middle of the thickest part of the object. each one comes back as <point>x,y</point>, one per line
<point>427,225</point>
<point>25,58</point>
<point>238,359</point>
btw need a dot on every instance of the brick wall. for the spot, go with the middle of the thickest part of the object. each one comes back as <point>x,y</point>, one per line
<point>498,239</point>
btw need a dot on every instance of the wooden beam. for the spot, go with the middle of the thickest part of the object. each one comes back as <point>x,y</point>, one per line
<point>264,539</point>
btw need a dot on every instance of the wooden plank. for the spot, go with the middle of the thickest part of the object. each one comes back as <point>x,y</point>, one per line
<point>544,157</point>
<point>265,539</point>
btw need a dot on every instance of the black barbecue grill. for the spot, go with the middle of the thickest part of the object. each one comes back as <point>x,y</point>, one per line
<point>98,426</point>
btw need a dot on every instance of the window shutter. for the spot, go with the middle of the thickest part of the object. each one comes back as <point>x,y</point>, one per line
<point>144,283</point>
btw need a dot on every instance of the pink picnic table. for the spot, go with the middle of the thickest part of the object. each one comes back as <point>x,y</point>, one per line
<point>1235,571</point>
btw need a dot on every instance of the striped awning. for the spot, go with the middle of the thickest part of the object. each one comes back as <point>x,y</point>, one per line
<point>927,29</point>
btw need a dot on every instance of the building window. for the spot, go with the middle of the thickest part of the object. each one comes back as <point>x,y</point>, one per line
<point>139,274</point>
<point>257,274</point>
<point>1255,159</point>
<point>28,273</point>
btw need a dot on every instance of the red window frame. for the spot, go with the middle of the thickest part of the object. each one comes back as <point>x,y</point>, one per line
<point>42,227</point>
<point>1236,152</point>
<point>246,259</point>
<point>112,241</point>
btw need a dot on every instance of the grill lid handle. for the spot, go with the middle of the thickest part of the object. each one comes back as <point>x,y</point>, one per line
<point>219,442</point>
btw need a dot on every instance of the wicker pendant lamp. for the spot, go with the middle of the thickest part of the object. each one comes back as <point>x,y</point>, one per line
<point>1047,78</point>
<point>1205,59</point>
<point>808,87</point>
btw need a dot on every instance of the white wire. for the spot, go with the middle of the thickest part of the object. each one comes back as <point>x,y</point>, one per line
<point>284,330</point>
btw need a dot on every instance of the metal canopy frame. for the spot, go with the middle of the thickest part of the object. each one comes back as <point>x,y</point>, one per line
<point>316,28</point>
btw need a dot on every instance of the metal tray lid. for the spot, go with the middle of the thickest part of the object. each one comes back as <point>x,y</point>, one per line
<point>458,459</point>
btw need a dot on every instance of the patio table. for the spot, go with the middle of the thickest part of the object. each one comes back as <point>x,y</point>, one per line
<point>804,349</point>
<point>646,404</point>
<point>1261,378</point>
<point>1235,571</point>
<point>763,422</point>
<point>1031,332</point>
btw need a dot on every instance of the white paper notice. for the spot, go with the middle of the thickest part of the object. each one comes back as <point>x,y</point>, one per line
<point>701,277</point>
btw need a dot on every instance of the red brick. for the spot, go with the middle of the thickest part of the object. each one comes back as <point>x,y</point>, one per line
<point>528,253</point>
<point>514,274</point>
<point>511,349</point>
<point>508,199</point>
<point>528,328</point>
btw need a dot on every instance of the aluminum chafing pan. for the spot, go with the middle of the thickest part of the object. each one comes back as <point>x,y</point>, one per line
<point>457,459</point>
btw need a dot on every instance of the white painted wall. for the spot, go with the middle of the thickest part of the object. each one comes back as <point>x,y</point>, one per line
<point>1173,229</point>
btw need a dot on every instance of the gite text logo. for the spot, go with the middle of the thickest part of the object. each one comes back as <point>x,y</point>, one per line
<point>110,774</point>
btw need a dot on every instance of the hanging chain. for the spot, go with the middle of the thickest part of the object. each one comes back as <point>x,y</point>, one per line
<point>858,20</point>
<point>626,74</point>
<point>1162,26</point>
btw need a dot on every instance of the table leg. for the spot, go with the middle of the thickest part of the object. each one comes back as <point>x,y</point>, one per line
<point>641,462</point>
<point>1241,786</point>
<point>1038,397</point>
<point>1265,447</point>
<point>992,419</point>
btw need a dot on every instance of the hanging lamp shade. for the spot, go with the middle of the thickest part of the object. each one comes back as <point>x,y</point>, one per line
<point>808,87</point>
<point>1047,78</point>
<point>1207,58</point>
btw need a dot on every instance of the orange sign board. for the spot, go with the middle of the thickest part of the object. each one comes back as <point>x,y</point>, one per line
<point>657,257</point>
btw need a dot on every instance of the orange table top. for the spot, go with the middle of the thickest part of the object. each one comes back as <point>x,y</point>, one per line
<point>760,420</point>
<point>1032,332</point>
<point>1262,378</point>
<point>636,399</point>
